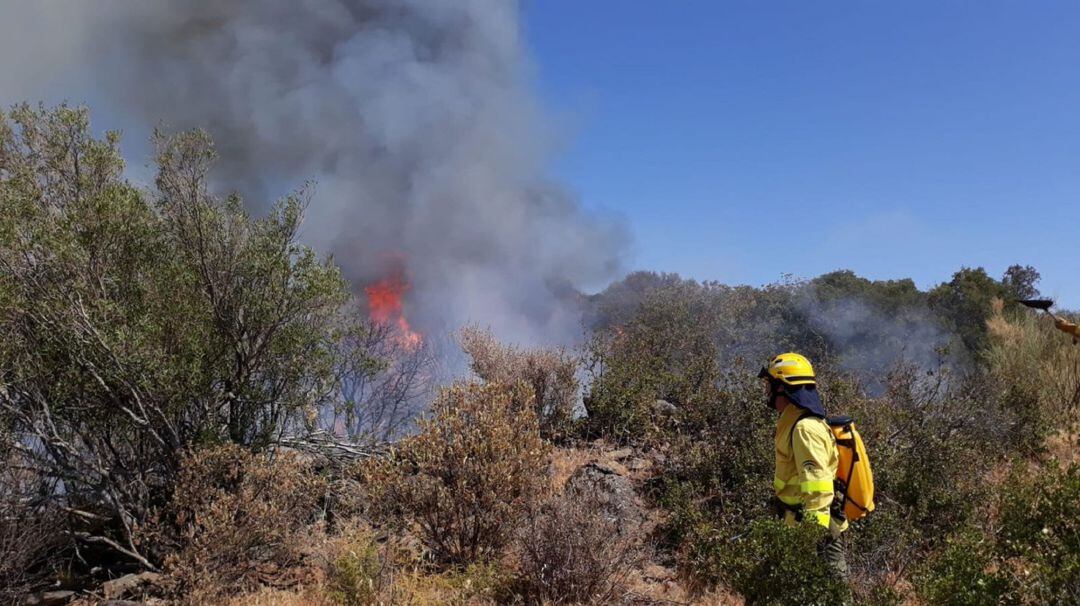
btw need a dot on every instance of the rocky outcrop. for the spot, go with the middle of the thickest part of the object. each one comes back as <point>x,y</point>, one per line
<point>49,598</point>
<point>612,490</point>
<point>129,584</point>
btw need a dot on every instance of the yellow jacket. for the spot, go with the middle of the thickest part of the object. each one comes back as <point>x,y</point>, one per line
<point>806,460</point>
<point>1067,327</point>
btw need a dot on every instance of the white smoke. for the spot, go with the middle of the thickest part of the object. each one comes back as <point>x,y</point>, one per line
<point>415,118</point>
<point>870,341</point>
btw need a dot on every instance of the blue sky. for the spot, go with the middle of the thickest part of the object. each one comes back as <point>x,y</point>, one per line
<point>744,140</point>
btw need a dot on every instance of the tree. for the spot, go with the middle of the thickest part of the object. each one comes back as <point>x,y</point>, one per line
<point>136,325</point>
<point>965,303</point>
<point>1020,281</point>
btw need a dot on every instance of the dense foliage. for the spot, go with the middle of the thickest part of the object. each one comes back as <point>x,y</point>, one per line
<point>135,325</point>
<point>939,428</point>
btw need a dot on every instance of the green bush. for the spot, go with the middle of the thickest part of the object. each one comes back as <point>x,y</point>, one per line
<point>1040,532</point>
<point>770,563</point>
<point>1030,556</point>
<point>960,574</point>
<point>664,351</point>
<point>357,571</point>
<point>137,324</point>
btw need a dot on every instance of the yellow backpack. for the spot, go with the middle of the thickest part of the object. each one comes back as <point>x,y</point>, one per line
<point>854,480</point>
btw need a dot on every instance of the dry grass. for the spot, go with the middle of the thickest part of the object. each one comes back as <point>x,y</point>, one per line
<point>268,596</point>
<point>564,462</point>
<point>1028,353</point>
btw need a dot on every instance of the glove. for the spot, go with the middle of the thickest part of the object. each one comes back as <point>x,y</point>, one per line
<point>1066,326</point>
<point>777,507</point>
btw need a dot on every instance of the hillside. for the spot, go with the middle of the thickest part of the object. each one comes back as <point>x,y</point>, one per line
<point>196,408</point>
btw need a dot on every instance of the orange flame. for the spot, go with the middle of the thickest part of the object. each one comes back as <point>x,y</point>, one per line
<point>385,307</point>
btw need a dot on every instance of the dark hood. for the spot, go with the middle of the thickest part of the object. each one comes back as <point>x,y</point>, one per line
<point>806,398</point>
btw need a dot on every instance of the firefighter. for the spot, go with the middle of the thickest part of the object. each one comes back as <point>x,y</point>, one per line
<point>806,454</point>
<point>1067,327</point>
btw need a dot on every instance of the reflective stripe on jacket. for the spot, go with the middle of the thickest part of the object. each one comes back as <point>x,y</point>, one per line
<point>806,460</point>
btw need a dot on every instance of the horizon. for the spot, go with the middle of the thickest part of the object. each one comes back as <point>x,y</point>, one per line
<point>911,140</point>
<point>747,144</point>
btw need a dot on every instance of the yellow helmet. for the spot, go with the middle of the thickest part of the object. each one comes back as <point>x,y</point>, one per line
<point>791,369</point>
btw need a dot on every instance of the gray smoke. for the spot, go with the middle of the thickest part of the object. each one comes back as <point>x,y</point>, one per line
<point>870,341</point>
<point>415,119</point>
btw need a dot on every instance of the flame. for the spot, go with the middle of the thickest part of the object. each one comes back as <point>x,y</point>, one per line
<point>385,306</point>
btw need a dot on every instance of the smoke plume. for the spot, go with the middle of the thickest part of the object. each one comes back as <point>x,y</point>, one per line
<point>870,341</point>
<point>415,119</point>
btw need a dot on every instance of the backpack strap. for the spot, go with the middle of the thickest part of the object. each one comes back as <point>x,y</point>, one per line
<point>791,434</point>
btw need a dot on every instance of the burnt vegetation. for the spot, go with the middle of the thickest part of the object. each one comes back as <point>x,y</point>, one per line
<point>166,359</point>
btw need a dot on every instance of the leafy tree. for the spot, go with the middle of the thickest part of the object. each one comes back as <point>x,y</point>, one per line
<point>965,302</point>
<point>1020,280</point>
<point>135,325</point>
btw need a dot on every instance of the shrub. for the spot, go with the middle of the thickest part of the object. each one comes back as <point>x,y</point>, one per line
<point>931,438</point>
<point>768,563</point>
<point>1027,555</point>
<point>135,325</point>
<point>30,532</point>
<point>363,569</point>
<point>236,520</point>
<point>1036,374</point>
<point>465,479</point>
<point>960,574</point>
<point>571,551</point>
<point>1040,532</point>
<point>550,375</point>
<point>359,570</point>
<point>664,351</point>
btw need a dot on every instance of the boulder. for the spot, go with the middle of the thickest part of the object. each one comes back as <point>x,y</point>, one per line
<point>663,407</point>
<point>49,598</point>
<point>612,490</point>
<point>128,584</point>
<point>655,572</point>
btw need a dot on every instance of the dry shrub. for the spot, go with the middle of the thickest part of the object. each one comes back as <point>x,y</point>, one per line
<point>550,373</point>
<point>465,479</point>
<point>572,552</point>
<point>237,520</point>
<point>29,532</point>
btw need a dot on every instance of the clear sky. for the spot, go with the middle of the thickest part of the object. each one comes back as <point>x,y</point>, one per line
<point>745,140</point>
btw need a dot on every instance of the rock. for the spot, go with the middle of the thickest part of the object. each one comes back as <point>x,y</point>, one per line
<point>663,407</point>
<point>613,491</point>
<point>127,584</point>
<point>49,598</point>
<point>620,454</point>
<point>656,572</point>
<point>602,467</point>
